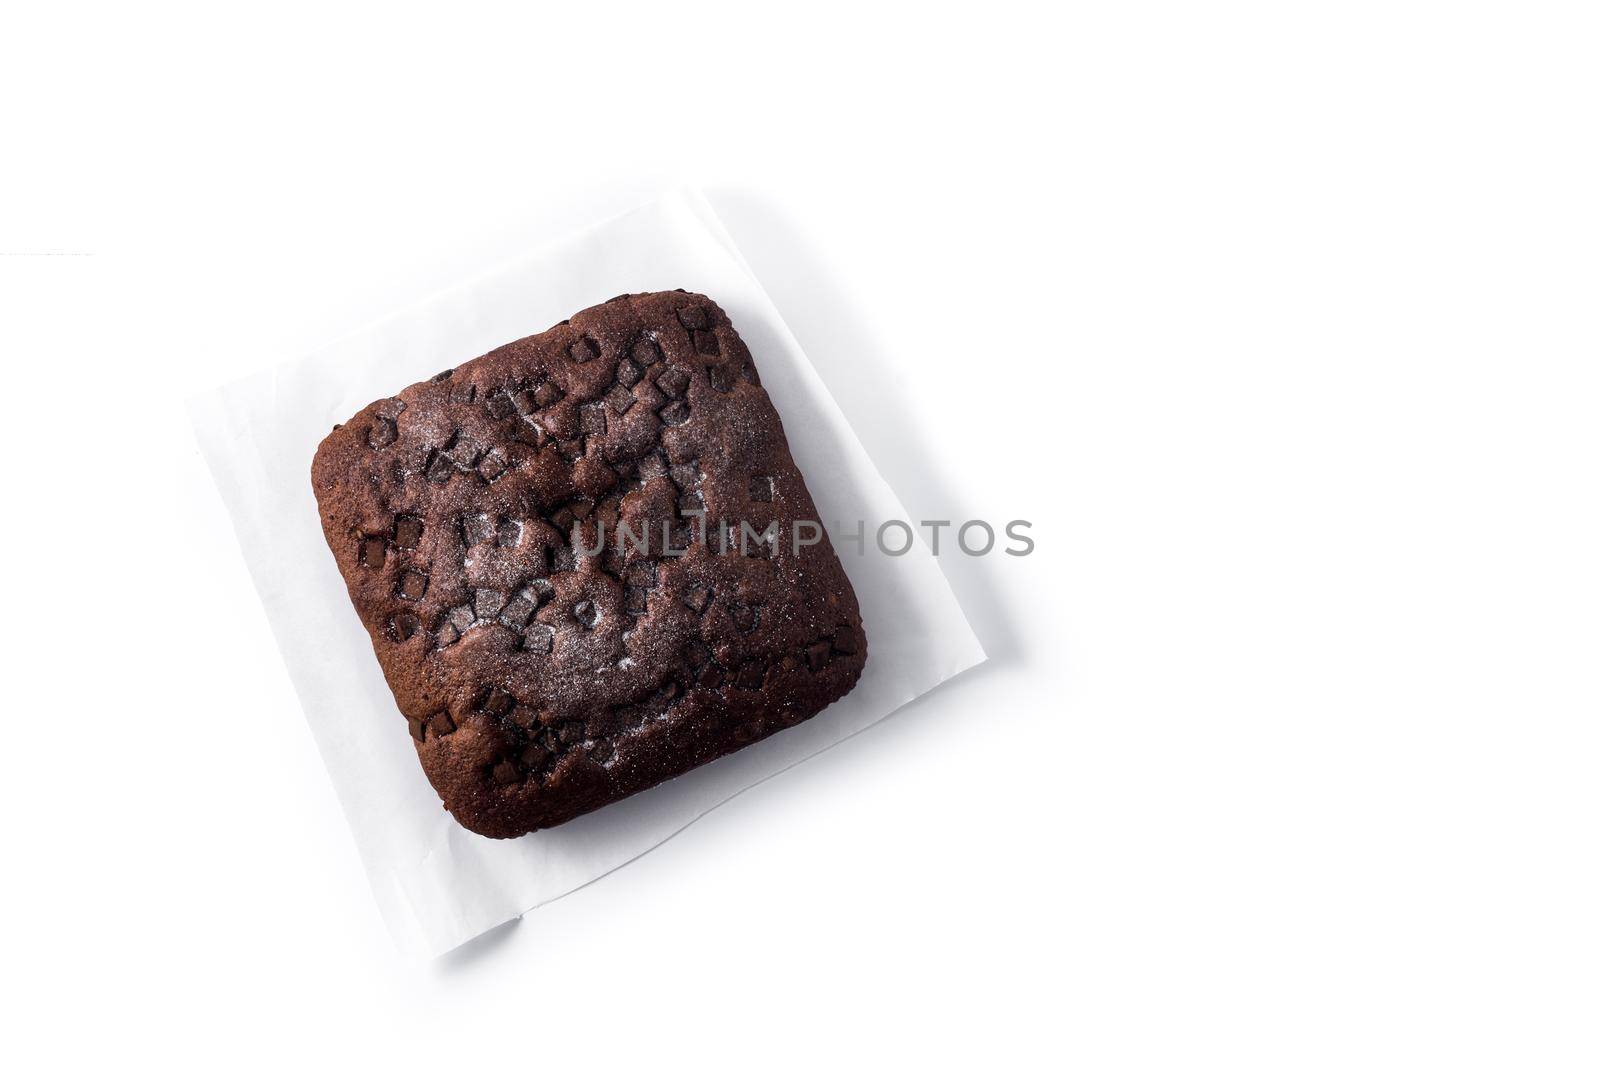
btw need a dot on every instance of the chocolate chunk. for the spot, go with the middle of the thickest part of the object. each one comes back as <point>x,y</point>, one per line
<point>476,529</point>
<point>705,343</point>
<point>673,382</point>
<point>464,453</point>
<point>404,626</point>
<point>845,641</point>
<point>646,352</point>
<point>499,405</point>
<point>620,399</point>
<point>407,532</point>
<point>528,433</point>
<point>520,609</point>
<point>488,602</point>
<point>539,638</point>
<point>547,393</point>
<point>439,469</point>
<point>383,433</point>
<point>493,466</point>
<point>561,422</point>
<point>745,617</point>
<point>412,585</point>
<point>650,395</point>
<point>372,551</point>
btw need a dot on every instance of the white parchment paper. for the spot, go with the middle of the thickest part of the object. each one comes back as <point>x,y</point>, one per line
<point>438,885</point>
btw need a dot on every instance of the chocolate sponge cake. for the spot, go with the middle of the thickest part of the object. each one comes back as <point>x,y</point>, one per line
<point>587,562</point>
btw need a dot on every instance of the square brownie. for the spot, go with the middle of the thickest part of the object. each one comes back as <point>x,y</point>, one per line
<point>587,562</point>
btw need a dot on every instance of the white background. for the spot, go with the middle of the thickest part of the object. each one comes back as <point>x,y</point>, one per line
<point>1278,321</point>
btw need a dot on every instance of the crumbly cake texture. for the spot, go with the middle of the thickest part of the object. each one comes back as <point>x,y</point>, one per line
<point>539,681</point>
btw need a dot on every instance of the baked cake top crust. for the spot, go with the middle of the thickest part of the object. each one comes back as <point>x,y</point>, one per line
<point>582,562</point>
